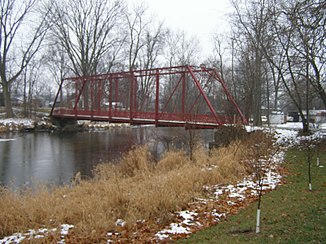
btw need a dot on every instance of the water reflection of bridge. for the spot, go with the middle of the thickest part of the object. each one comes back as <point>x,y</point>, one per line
<point>185,96</point>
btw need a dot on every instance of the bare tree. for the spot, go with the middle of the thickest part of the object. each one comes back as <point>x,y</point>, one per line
<point>136,30</point>
<point>87,31</point>
<point>296,51</point>
<point>308,19</point>
<point>30,76</point>
<point>220,51</point>
<point>149,58</point>
<point>56,61</point>
<point>182,49</point>
<point>261,149</point>
<point>16,17</point>
<point>57,67</point>
<point>144,45</point>
<point>250,23</point>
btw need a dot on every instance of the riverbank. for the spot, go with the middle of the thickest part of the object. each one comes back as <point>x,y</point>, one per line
<point>138,200</point>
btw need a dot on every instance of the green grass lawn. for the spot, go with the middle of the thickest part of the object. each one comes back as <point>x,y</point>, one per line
<point>290,214</point>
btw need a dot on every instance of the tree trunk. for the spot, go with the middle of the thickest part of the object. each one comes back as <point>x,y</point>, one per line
<point>322,94</point>
<point>7,100</point>
<point>305,126</point>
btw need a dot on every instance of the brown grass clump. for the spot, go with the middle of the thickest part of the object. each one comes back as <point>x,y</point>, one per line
<point>229,161</point>
<point>172,160</point>
<point>133,189</point>
<point>136,161</point>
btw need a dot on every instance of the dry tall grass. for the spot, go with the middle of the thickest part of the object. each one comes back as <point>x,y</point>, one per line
<point>132,189</point>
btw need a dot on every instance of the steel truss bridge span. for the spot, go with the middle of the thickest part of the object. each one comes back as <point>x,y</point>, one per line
<point>184,96</point>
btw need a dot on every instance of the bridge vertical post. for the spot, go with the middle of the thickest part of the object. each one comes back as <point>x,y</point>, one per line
<point>116,93</point>
<point>99,97</point>
<point>135,95</point>
<point>183,95</point>
<point>131,96</point>
<point>76,96</point>
<point>157,96</point>
<point>110,96</point>
<point>91,83</point>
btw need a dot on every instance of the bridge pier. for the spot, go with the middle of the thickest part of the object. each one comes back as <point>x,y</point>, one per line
<point>66,124</point>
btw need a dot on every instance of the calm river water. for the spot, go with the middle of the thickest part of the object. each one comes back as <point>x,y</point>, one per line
<point>54,158</point>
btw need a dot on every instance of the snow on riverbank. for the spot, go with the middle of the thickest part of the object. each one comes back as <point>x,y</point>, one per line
<point>37,234</point>
<point>16,124</point>
<point>12,125</point>
<point>23,122</point>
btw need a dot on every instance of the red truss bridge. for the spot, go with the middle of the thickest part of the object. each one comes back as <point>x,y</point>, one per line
<point>185,96</point>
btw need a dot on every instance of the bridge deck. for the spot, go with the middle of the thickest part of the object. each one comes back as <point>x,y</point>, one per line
<point>141,118</point>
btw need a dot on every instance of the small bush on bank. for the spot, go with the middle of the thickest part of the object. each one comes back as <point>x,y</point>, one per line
<point>133,189</point>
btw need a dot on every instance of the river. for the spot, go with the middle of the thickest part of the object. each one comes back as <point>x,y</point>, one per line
<point>27,159</point>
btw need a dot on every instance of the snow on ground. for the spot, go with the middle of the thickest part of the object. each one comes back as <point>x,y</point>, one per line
<point>191,220</point>
<point>5,140</point>
<point>24,122</point>
<point>36,234</point>
<point>17,124</point>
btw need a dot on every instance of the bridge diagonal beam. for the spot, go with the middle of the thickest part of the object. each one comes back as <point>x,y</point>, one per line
<point>204,95</point>
<point>171,95</point>
<point>230,97</point>
<point>198,96</point>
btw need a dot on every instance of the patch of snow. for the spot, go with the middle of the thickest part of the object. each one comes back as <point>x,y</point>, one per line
<point>120,222</point>
<point>236,195</point>
<point>35,234</point>
<point>285,136</point>
<point>218,192</point>
<point>6,140</point>
<point>188,217</point>
<point>161,236</point>
<point>176,228</point>
<point>15,238</point>
<point>292,126</point>
<point>230,203</point>
<point>65,229</point>
<point>218,215</point>
<point>38,236</point>
<point>11,121</point>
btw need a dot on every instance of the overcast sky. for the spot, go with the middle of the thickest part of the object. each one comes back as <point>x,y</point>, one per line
<point>202,18</point>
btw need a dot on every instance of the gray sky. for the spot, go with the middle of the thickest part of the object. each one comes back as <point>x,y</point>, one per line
<point>202,18</point>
